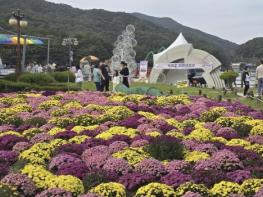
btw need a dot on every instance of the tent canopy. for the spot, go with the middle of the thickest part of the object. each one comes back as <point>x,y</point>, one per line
<point>6,39</point>
<point>180,51</point>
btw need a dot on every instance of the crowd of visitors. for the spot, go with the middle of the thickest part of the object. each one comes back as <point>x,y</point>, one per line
<point>101,74</point>
<point>38,68</point>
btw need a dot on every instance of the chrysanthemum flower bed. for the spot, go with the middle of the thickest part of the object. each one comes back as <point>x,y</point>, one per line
<point>92,144</point>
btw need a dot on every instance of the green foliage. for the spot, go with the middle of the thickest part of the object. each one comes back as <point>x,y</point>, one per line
<point>36,78</point>
<point>11,119</point>
<point>165,148</point>
<point>229,75</point>
<point>93,179</point>
<point>8,191</point>
<point>251,49</point>
<point>18,166</point>
<point>85,120</point>
<point>10,77</point>
<point>36,121</point>
<point>9,86</point>
<point>63,76</point>
<point>242,128</point>
<point>61,121</point>
<point>30,133</point>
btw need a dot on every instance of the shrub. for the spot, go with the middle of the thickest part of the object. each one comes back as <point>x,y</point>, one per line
<point>8,191</point>
<point>36,78</point>
<point>229,77</point>
<point>63,76</point>
<point>36,121</point>
<point>9,86</point>
<point>10,77</point>
<point>94,178</point>
<point>165,148</point>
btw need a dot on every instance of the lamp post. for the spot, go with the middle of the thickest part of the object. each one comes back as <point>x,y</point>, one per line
<point>18,21</point>
<point>70,42</point>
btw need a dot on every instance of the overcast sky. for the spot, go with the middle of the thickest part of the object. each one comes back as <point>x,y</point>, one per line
<point>234,20</point>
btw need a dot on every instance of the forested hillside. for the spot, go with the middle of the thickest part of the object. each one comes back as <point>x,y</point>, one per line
<point>96,31</point>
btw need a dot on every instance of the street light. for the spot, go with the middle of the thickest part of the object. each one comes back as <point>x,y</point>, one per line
<point>70,42</point>
<point>17,20</point>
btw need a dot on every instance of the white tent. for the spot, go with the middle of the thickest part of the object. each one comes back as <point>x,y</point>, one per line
<point>180,51</point>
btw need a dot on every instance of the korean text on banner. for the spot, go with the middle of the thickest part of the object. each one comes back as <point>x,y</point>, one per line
<point>183,66</point>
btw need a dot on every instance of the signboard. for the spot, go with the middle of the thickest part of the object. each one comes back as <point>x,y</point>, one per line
<point>143,69</point>
<point>181,66</point>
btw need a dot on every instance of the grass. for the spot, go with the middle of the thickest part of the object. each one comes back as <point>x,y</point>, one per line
<point>210,93</point>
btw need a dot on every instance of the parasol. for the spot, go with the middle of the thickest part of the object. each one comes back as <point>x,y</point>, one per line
<point>90,58</point>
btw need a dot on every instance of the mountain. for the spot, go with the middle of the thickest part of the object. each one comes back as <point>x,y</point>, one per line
<point>221,48</point>
<point>250,51</point>
<point>97,30</point>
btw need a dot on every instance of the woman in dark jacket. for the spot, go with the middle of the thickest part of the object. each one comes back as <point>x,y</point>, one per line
<point>125,74</point>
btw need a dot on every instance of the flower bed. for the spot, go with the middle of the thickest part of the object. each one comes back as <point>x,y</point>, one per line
<point>95,144</point>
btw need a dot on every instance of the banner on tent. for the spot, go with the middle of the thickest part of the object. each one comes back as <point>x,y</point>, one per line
<point>182,66</point>
<point>143,69</point>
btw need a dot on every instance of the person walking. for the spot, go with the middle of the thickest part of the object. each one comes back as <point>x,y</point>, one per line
<point>246,80</point>
<point>125,74</point>
<point>105,83</point>
<point>79,77</point>
<point>259,77</point>
<point>97,77</point>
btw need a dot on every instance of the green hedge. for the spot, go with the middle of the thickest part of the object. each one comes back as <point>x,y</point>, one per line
<point>63,76</point>
<point>43,78</point>
<point>36,78</point>
<point>9,86</point>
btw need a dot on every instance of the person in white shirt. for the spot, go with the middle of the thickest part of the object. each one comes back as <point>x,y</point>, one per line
<point>79,77</point>
<point>259,77</point>
<point>40,69</point>
<point>115,80</point>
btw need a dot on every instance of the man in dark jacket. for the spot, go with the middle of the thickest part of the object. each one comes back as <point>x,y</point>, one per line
<point>125,74</point>
<point>105,83</point>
